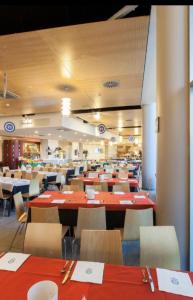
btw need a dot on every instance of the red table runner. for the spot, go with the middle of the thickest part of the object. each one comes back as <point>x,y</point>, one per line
<point>79,199</point>
<point>119,282</point>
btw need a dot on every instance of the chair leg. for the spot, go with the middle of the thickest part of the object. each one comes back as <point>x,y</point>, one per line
<point>4,207</point>
<point>64,248</point>
<point>15,236</point>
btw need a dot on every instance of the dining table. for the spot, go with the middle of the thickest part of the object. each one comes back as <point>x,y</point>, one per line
<point>133,183</point>
<point>119,282</point>
<point>115,204</point>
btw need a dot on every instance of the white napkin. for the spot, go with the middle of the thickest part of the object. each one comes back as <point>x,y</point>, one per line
<point>139,197</point>
<point>93,202</point>
<point>88,272</point>
<point>118,193</point>
<point>44,196</point>
<point>178,283</point>
<point>126,202</point>
<point>11,261</point>
<point>58,201</point>
<point>68,192</point>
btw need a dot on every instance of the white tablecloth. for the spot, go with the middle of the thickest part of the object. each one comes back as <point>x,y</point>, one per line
<point>8,183</point>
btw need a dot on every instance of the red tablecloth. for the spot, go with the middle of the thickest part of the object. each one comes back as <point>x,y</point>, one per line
<point>79,199</point>
<point>111,181</point>
<point>119,282</point>
<point>114,174</point>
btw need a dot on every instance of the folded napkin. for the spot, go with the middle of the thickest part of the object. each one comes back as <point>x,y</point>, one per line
<point>88,272</point>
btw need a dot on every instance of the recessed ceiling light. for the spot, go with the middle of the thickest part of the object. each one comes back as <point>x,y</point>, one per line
<point>59,136</point>
<point>36,132</point>
<point>7,104</point>
<point>75,132</point>
<point>49,134</point>
<point>84,134</point>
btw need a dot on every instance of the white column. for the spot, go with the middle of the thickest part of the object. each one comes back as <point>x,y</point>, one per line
<point>149,147</point>
<point>173,110</point>
<point>80,146</point>
<point>43,149</point>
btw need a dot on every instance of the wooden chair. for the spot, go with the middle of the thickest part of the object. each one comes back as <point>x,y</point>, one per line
<point>159,247</point>
<point>122,175</point>
<point>21,215</point>
<point>101,246</point>
<point>93,175</point>
<point>48,215</point>
<point>8,174</point>
<point>79,183</point>
<point>121,187</point>
<point>26,175</point>
<point>4,197</point>
<point>43,239</point>
<point>104,186</point>
<point>34,189</point>
<point>18,174</point>
<point>89,218</point>
<point>72,187</point>
<point>106,176</point>
<point>134,218</point>
<point>96,187</point>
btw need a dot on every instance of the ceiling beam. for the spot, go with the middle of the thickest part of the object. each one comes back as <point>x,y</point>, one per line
<point>103,109</point>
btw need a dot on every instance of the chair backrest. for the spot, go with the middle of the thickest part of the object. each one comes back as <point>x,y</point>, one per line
<point>26,175</point>
<point>74,188</point>
<point>159,247</point>
<point>43,239</point>
<point>77,171</point>
<point>19,205</point>
<point>101,246</point>
<point>79,183</point>
<point>104,186</point>
<point>1,191</point>
<point>106,176</point>
<point>122,175</point>
<point>134,218</point>
<point>96,187</point>
<point>45,214</point>
<point>18,174</point>
<point>8,174</point>
<point>5,169</point>
<point>34,174</point>
<point>93,175</point>
<point>90,218</point>
<point>34,187</point>
<point>58,177</point>
<point>121,187</point>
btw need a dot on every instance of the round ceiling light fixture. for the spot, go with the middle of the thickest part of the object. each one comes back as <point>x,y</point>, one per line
<point>111,84</point>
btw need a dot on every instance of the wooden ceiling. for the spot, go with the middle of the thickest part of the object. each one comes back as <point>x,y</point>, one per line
<point>41,63</point>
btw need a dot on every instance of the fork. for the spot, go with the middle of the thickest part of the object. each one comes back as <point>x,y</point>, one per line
<point>145,280</point>
<point>64,267</point>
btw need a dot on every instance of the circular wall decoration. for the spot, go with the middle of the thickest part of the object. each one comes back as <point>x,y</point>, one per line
<point>131,138</point>
<point>101,128</point>
<point>9,126</point>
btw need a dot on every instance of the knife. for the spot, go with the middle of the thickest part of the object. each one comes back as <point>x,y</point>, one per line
<point>150,280</point>
<point>68,272</point>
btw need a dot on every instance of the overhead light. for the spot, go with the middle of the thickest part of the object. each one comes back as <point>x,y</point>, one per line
<point>97,116</point>
<point>120,139</point>
<point>102,143</point>
<point>59,136</point>
<point>66,106</point>
<point>7,104</point>
<point>27,120</point>
<point>49,134</point>
<point>36,132</point>
<point>75,132</point>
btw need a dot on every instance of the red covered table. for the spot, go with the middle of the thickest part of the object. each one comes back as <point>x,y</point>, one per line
<point>119,282</point>
<point>115,212</point>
